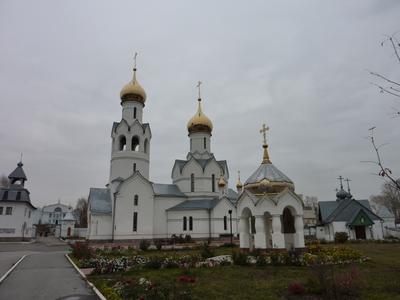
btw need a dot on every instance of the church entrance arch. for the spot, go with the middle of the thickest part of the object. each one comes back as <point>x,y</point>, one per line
<point>246,229</point>
<point>288,227</point>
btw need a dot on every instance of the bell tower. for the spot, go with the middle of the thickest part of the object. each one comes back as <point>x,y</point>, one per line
<point>130,147</point>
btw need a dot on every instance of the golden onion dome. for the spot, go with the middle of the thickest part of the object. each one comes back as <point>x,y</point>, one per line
<point>199,122</point>
<point>221,182</point>
<point>133,91</point>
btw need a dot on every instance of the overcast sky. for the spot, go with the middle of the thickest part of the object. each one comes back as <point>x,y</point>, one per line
<point>298,66</point>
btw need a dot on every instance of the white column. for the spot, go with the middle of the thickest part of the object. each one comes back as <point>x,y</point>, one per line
<point>278,240</point>
<point>244,232</point>
<point>299,235</point>
<point>260,241</point>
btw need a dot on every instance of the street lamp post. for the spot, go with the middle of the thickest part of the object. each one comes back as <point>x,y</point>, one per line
<point>230,223</point>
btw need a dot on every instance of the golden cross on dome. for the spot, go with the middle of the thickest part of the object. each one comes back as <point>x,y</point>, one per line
<point>264,130</point>
<point>198,86</point>
<point>134,61</point>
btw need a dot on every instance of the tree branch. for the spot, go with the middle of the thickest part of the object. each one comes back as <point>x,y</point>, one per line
<point>384,172</point>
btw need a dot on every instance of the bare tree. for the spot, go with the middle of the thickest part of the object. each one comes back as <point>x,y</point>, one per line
<point>383,171</point>
<point>80,211</point>
<point>4,182</point>
<point>385,84</point>
<point>389,198</point>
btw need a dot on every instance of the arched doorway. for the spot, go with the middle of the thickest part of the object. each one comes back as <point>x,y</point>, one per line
<point>69,232</point>
<point>246,229</point>
<point>288,227</point>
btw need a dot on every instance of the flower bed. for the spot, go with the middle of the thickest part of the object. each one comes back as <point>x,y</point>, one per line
<point>105,264</point>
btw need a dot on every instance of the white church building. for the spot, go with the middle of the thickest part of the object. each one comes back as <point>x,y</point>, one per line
<point>265,211</point>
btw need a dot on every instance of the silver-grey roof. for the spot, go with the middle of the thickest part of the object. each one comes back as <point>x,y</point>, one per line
<point>100,200</point>
<point>267,171</point>
<point>166,190</point>
<point>15,193</point>
<point>232,195</point>
<point>344,210</point>
<point>202,162</point>
<point>18,173</point>
<point>69,217</point>
<point>198,204</point>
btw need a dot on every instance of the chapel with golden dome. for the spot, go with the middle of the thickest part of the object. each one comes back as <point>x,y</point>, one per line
<point>198,201</point>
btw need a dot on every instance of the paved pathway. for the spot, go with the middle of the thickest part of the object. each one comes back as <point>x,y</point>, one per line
<point>45,274</point>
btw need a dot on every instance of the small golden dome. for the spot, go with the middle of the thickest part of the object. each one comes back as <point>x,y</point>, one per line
<point>239,184</point>
<point>133,91</point>
<point>199,122</point>
<point>221,182</point>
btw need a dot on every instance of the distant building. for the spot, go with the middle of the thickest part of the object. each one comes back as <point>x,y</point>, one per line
<point>355,217</point>
<point>53,214</point>
<point>68,225</point>
<point>387,217</point>
<point>16,209</point>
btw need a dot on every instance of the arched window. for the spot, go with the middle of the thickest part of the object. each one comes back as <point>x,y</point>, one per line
<point>122,143</point>
<point>134,112</point>
<point>190,223</point>
<point>205,143</point>
<point>288,221</point>
<point>184,223</point>
<point>5,195</point>
<point>136,200</point>
<point>225,223</point>
<point>134,167</point>
<point>192,182</point>
<point>145,145</point>
<point>18,196</point>
<point>213,182</point>
<point>135,143</point>
<point>135,221</point>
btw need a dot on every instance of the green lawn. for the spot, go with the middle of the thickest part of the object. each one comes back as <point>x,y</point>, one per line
<point>380,277</point>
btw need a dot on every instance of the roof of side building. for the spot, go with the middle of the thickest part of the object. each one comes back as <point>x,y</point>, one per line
<point>100,200</point>
<point>166,190</point>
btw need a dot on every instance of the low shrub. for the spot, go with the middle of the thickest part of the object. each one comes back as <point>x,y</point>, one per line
<point>81,250</point>
<point>158,243</point>
<point>206,251</point>
<point>154,262</point>
<point>341,237</point>
<point>188,238</point>
<point>239,258</point>
<point>144,245</point>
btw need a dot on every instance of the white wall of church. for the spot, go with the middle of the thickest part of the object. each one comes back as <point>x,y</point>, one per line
<point>100,227</point>
<point>218,213</point>
<point>161,204</point>
<point>203,179</point>
<point>201,223</point>
<point>198,140</point>
<point>11,226</point>
<point>125,208</point>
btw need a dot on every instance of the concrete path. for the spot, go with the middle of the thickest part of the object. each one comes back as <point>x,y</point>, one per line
<point>43,275</point>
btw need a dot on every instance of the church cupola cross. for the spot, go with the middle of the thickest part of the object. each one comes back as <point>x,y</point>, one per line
<point>134,61</point>
<point>348,184</point>
<point>199,90</point>
<point>263,131</point>
<point>340,178</point>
